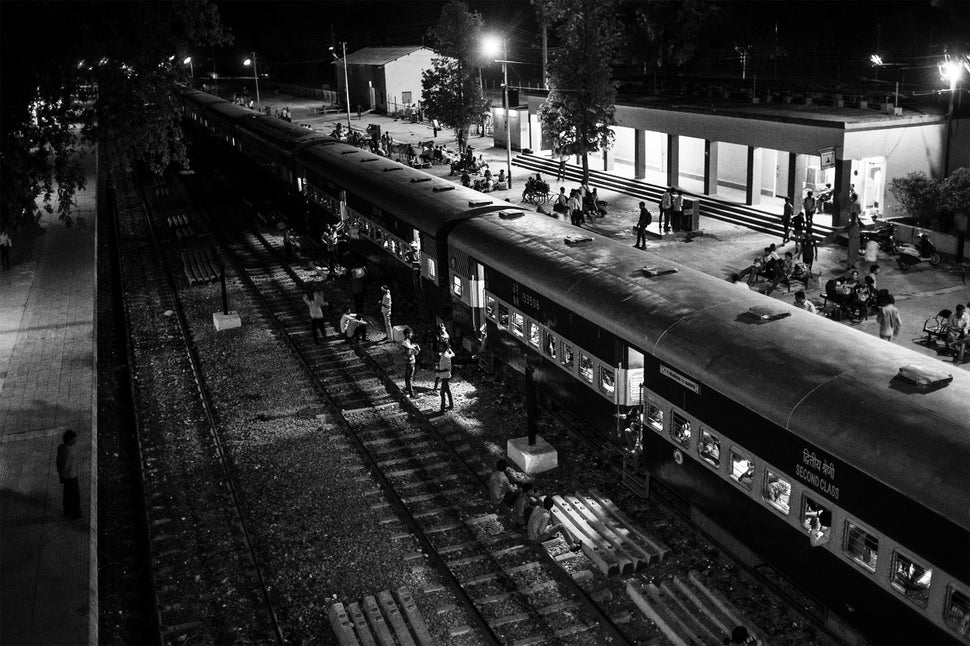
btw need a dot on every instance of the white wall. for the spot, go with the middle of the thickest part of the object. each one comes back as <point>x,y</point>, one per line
<point>404,75</point>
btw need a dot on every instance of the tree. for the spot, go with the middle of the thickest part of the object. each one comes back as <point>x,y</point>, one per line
<point>580,107</point>
<point>920,196</point>
<point>116,53</point>
<point>451,91</point>
<point>668,34</point>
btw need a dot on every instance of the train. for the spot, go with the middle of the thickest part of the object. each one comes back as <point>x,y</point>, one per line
<point>802,445</point>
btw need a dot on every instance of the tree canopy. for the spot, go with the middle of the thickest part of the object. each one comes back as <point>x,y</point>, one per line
<point>113,66</point>
<point>580,107</point>
<point>451,91</point>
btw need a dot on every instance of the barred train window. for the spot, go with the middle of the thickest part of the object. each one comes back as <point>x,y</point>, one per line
<point>518,323</point>
<point>956,613</point>
<point>503,316</point>
<point>607,381</point>
<point>742,468</point>
<point>817,521</point>
<point>777,492</point>
<point>911,579</point>
<point>861,546</point>
<point>551,343</point>
<point>680,430</point>
<point>585,367</point>
<point>456,285</point>
<point>655,417</point>
<point>567,355</point>
<point>534,333</point>
<point>490,307</point>
<point>709,448</point>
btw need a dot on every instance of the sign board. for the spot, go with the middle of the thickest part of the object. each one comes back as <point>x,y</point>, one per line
<point>828,157</point>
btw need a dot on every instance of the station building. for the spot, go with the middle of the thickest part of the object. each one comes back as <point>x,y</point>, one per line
<point>758,153</point>
<point>385,79</point>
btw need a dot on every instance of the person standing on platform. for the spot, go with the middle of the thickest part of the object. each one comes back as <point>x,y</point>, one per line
<point>561,174</point>
<point>666,201</point>
<point>386,311</point>
<point>67,472</point>
<point>642,224</point>
<point>786,218</point>
<point>6,244</point>
<point>808,206</point>
<point>677,206</point>
<point>798,225</point>
<point>411,351</point>
<point>888,317</point>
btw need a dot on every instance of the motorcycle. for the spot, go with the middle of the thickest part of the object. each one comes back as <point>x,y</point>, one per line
<point>909,254</point>
<point>884,234</point>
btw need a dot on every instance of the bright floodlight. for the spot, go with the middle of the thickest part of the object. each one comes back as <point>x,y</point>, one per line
<point>171,58</point>
<point>248,62</point>
<point>491,46</point>
<point>876,59</point>
<point>951,71</point>
<point>188,59</point>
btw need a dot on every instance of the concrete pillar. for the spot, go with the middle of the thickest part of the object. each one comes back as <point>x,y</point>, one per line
<point>843,182</point>
<point>710,167</point>
<point>639,153</point>
<point>673,160</point>
<point>752,188</point>
<point>790,183</point>
<point>609,158</point>
<point>797,166</point>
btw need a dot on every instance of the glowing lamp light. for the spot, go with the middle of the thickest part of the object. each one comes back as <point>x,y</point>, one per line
<point>248,62</point>
<point>491,46</point>
<point>187,60</point>
<point>951,71</point>
<point>876,59</point>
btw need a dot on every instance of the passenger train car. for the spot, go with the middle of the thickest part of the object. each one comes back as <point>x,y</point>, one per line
<point>791,438</point>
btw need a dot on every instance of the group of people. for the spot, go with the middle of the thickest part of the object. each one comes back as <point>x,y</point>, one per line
<point>582,204</point>
<point>444,355</point>
<point>487,183</point>
<point>284,114</point>
<point>672,211</point>
<point>529,509</point>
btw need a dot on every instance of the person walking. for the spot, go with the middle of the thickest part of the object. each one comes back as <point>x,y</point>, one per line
<point>798,225</point>
<point>386,311</point>
<point>666,201</point>
<point>6,244</point>
<point>411,351</point>
<point>561,173</point>
<point>786,218</point>
<point>809,251</point>
<point>642,223</point>
<point>677,206</point>
<point>808,206</point>
<point>443,372</point>
<point>855,238</point>
<point>888,318</point>
<point>67,473</point>
<point>315,303</point>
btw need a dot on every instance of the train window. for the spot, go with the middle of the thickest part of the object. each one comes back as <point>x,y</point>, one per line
<point>551,345</point>
<point>742,468</point>
<point>534,333</point>
<point>503,316</point>
<point>956,613</point>
<point>777,492</point>
<point>817,521</point>
<point>456,285</point>
<point>911,579</point>
<point>518,324</point>
<point>655,417</point>
<point>861,546</point>
<point>490,307</point>
<point>680,430</point>
<point>709,448</point>
<point>566,358</point>
<point>607,380</point>
<point>586,367</point>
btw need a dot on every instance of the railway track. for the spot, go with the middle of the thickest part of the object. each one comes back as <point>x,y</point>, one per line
<point>512,593</point>
<point>208,584</point>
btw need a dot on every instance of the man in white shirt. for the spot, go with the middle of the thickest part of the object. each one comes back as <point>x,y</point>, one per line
<point>315,304</point>
<point>411,350</point>
<point>500,488</point>
<point>386,310</point>
<point>958,324</point>
<point>803,303</point>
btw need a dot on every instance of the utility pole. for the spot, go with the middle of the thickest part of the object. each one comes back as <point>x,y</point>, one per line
<point>346,84</point>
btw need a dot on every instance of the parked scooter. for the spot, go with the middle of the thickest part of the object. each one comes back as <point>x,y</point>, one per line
<point>884,234</point>
<point>908,254</point>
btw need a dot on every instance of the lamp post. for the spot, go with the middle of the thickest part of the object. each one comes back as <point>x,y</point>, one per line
<point>247,63</point>
<point>343,45</point>
<point>950,70</point>
<point>491,46</point>
<point>188,61</point>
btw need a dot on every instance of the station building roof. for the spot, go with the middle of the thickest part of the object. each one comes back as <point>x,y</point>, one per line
<point>381,55</point>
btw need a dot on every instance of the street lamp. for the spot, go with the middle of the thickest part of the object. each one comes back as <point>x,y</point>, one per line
<point>950,70</point>
<point>346,81</point>
<point>490,47</point>
<point>188,61</point>
<point>247,63</point>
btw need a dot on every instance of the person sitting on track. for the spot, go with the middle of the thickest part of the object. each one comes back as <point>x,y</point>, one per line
<point>352,327</point>
<point>541,528</point>
<point>525,504</point>
<point>500,488</point>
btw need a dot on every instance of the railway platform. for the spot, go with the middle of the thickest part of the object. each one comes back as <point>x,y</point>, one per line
<point>48,562</point>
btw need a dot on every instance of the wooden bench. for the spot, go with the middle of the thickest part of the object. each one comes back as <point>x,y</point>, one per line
<point>381,621</point>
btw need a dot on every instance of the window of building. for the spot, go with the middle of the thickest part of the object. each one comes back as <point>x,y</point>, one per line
<point>680,430</point>
<point>405,97</point>
<point>956,612</point>
<point>567,355</point>
<point>655,417</point>
<point>490,307</point>
<point>551,343</point>
<point>817,521</point>
<point>456,285</point>
<point>607,380</point>
<point>911,579</point>
<point>861,546</point>
<point>742,468</point>
<point>534,333</point>
<point>503,316</point>
<point>709,448</point>
<point>518,324</point>
<point>777,492</point>
<point>586,367</point>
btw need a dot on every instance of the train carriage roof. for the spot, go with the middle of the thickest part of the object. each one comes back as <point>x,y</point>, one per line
<point>230,112</point>
<point>791,371</point>
<point>282,134</point>
<point>443,203</point>
<point>200,98</point>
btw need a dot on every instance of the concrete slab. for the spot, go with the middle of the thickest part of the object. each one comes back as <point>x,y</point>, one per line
<point>536,458</point>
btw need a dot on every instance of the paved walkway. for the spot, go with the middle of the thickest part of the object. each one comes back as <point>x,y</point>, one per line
<point>48,563</point>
